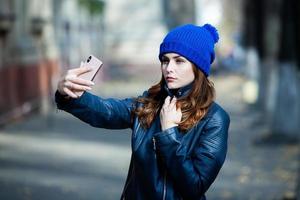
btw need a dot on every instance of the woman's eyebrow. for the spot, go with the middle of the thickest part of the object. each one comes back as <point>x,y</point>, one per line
<point>172,57</point>
<point>180,57</point>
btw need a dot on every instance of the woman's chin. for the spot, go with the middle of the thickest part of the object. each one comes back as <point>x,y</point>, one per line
<point>172,86</point>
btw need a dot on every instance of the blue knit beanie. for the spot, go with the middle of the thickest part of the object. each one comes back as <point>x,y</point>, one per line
<point>195,43</point>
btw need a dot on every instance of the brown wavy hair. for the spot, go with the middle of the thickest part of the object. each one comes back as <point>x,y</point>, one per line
<point>193,106</point>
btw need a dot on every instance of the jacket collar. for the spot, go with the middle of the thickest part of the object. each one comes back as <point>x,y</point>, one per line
<point>183,91</point>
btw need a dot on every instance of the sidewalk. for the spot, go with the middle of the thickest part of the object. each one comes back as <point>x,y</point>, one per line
<point>58,157</point>
<point>266,172</point>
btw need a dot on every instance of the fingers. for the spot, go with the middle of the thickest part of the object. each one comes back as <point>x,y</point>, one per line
<point>167,101</point>
<point>80,70</point>
<point>170,104</point>
<point>173,101</point>
<point>71,82</point>
<point>79,81</point>
<point>74,86</point>
<point>169,115</point>
<point>70,93</point>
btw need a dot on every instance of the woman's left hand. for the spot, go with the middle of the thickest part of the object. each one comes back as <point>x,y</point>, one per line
<point>170,116</point>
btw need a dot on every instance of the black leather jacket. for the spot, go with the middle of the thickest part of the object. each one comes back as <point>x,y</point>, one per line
<point>165,165</point>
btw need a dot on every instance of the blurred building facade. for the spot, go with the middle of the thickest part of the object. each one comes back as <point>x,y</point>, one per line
<point>133,32</point>
<point>38,38</point>
<point>28,56</point>
<point>42,38</point>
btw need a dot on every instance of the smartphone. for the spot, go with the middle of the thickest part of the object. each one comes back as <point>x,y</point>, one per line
<point>95,64</point>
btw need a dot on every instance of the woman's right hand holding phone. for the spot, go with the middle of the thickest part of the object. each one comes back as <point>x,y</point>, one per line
<point>72,85</point>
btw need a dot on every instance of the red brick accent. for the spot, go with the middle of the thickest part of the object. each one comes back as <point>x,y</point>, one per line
<point>21,84</point>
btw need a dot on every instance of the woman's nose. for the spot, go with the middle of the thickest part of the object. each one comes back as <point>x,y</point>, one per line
<point>170,66</point>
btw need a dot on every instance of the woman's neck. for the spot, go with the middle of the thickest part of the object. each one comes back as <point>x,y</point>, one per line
<point>178,92</point>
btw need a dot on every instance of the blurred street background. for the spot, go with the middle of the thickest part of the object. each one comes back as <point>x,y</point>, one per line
<point>47,154</point>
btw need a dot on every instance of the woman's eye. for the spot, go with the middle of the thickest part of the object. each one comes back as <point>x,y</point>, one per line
<point>164,62</point>
<point>179,61</point>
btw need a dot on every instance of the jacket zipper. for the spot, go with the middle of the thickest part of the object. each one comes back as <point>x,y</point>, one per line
<point>165,174</point>
<point>154,146</point>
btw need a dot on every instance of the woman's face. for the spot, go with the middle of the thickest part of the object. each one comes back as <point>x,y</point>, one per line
<point>177,70</point>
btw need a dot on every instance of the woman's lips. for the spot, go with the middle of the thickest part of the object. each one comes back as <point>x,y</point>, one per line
<point>170,79</point>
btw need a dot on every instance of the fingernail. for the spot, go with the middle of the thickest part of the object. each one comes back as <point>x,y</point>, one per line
<point>92,83</point>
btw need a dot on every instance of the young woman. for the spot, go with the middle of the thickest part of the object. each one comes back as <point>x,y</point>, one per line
<point>179,134</point>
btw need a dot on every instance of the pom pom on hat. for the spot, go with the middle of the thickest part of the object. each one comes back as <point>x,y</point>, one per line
<point>213,31</point>
<point>195,43</point>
